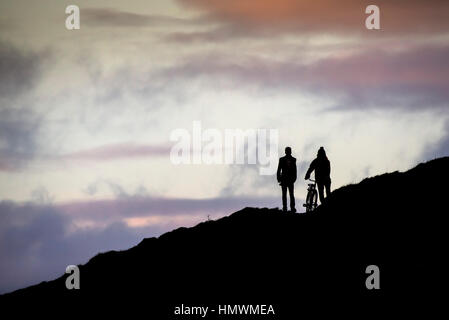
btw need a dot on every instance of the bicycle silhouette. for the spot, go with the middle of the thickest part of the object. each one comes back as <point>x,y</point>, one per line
<point>312,197</point>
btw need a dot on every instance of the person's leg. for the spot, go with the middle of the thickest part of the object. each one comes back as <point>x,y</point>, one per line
<point>284,197</point>
<point>291,191</point>
<point>328,189</point>
<point>321,192</point>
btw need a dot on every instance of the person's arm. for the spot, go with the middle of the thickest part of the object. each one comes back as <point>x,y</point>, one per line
<point>294,172</point>
<point>311,168</point>
<point>279,171</point>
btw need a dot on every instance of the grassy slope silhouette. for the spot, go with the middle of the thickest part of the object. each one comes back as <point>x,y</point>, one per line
<point>394,221</point>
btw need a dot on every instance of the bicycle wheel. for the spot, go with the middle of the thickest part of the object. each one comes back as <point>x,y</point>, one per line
<point>309,201</point>
<point>314,200</point>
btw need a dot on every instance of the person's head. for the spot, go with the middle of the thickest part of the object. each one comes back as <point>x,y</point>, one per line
<point>288,151</point>
<point>321,153</point>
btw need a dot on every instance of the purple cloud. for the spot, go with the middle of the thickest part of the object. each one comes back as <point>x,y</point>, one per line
<point>137,206</point>
<point>37,241</point>
<point>416,78</point>
<point>118,151</point>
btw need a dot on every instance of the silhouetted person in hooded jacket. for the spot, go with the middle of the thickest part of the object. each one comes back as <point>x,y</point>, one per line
<point>322,168</point>
<point>286,176</point>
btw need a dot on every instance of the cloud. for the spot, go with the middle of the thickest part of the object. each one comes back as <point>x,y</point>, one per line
<point>19,71</point>
<point>19,124</point>
<point>19,145</point>
<point>246,180</point>
<point>415,78</point>
<point>36,245</point>
<point>18,137</point>
<point>41,195</point>
<point>215,34</point>
<point>99,17</point>
<point>38,240</point>
<point>117,190</point>
<point>118,151</point>
<point>126,206</point>
<point>324,16</point>
<point>440,148</point>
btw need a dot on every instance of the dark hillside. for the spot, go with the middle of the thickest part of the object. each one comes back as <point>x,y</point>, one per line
<point>311,261</point>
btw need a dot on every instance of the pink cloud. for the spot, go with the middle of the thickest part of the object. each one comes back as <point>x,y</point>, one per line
<point>326,15</point>
<point>103,153</point>
<point>118,151</point>
<point>146,206</point>
<point>414,76</point>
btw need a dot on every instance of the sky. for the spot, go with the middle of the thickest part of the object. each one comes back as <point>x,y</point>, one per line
<point>86,115</point>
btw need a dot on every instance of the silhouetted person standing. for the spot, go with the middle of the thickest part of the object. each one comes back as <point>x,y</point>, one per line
<point>286,176</point>
<point>322,168</point>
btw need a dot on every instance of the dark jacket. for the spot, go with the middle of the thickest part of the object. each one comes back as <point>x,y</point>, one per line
<point>322,168</point>
<point>286,173</point>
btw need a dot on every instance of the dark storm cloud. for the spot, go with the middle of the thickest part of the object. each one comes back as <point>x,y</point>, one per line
<point>19,124</point>
<point>18,71</point>
<point>115,18</point>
